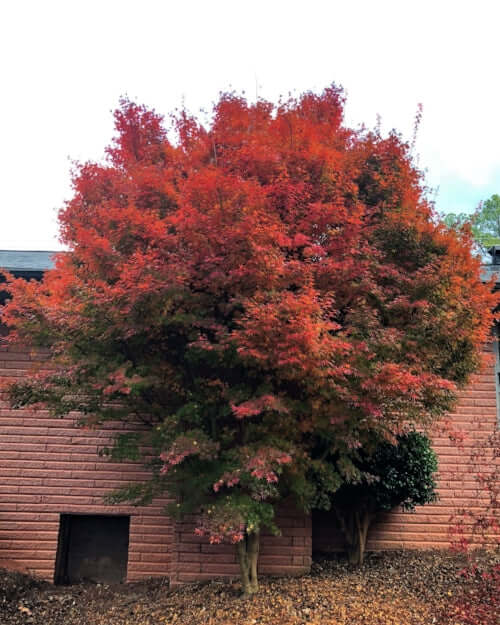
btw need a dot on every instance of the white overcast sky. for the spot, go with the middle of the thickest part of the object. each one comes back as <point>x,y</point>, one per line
<point>64,65</point>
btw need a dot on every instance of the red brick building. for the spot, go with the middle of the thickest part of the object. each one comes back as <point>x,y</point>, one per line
<point>53,522</point>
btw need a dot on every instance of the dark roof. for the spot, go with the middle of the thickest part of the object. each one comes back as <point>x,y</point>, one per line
<point>490,271</point>
<point>14,260</point>
<point>20,262</point>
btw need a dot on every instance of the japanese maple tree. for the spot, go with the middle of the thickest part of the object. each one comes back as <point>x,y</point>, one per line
<point>262,281</point>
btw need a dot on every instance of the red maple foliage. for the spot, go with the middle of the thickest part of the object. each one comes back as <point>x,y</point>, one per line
<point>265,280</point>
<point>478,601</point>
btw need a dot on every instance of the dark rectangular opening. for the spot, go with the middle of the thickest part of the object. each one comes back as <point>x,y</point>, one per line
<point>92,548</point>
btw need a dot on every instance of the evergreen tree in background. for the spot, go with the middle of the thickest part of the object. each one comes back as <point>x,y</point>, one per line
<point>484,224</point>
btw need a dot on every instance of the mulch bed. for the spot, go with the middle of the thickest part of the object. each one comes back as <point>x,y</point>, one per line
<point>396,588</point>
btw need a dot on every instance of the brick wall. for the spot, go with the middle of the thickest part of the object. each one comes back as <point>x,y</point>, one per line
<point>288,554</point>
<point>428,527</point>
<point>50,467</point>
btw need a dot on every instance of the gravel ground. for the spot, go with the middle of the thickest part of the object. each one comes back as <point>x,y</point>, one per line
<point>396,588</point>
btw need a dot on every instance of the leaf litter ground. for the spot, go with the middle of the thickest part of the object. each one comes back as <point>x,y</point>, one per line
<point>393,588</point>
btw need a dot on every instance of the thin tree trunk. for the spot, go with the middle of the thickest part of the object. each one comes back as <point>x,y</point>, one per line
<point>243,562</point>
<point>364,525</point>
<point>360,539</point>
<point>248,556</point>
<point>354,546</point>
<point>253,557</point>
<point>355,525</point>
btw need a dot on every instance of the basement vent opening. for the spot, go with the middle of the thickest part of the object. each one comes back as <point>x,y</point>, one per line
<point>92,548</point>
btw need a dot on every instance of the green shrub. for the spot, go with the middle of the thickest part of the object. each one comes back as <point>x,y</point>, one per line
<point>394,475</point>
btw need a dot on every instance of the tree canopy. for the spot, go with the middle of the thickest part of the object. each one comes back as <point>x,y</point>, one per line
<point>484,223</point>
<point>264,281</point>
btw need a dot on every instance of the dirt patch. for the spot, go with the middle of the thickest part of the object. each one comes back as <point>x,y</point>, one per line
<point>410,588</point>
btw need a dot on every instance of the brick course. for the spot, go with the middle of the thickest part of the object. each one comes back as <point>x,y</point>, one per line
<point>50,467</point>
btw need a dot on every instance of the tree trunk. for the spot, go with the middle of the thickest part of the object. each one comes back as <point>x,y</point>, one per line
<point>355,525</point>
<point>248,556</point>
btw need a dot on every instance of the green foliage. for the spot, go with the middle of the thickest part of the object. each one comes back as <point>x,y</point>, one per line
<point>400,474</point>
<point>457,220</point>
<point>484,224</point>
<point>395,475</point>
<point>486,227</point>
